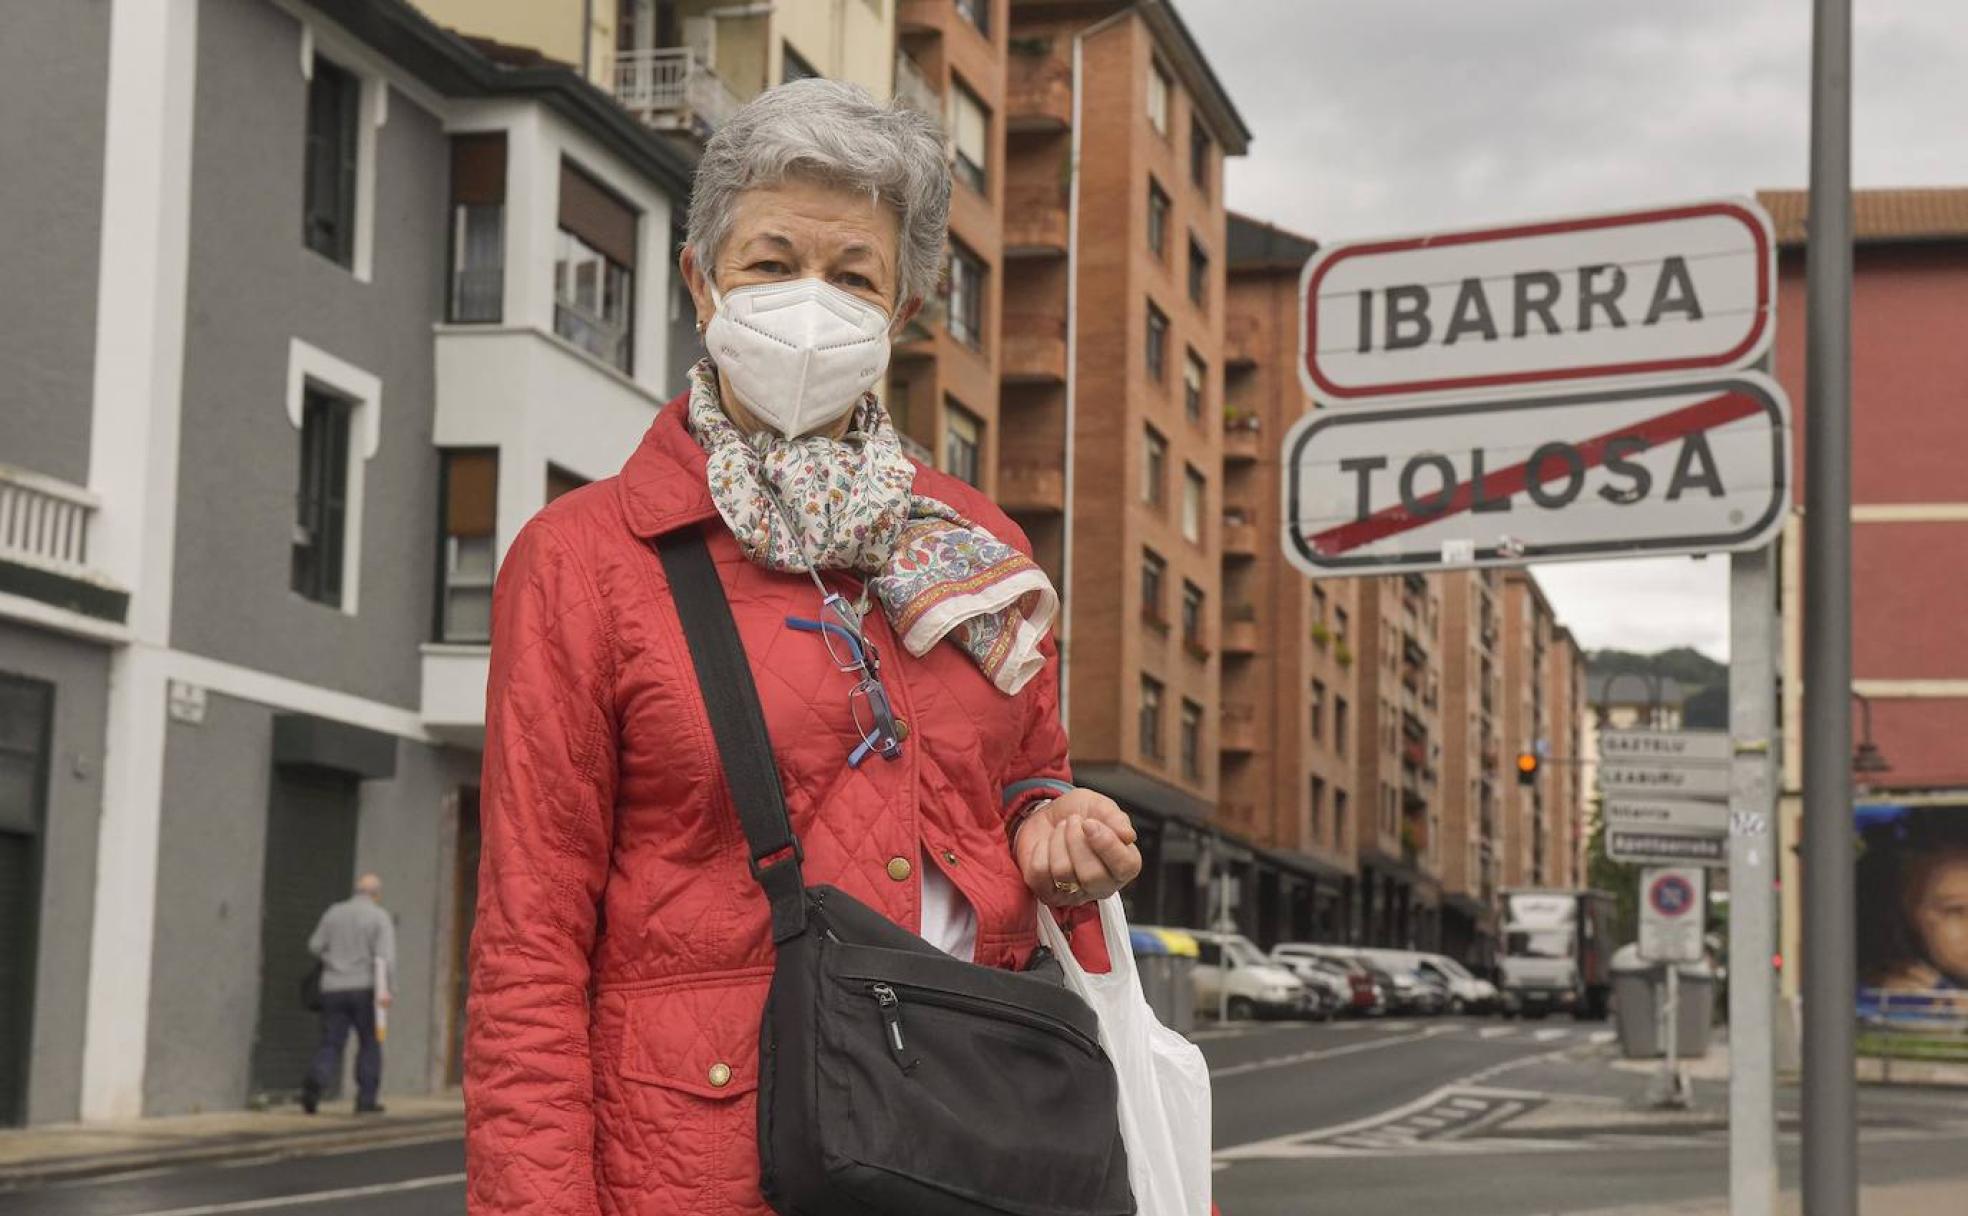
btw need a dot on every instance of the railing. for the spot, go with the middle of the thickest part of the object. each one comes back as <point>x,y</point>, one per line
<point>913,89</point>
<point>44,523</point>
<point>674,87</point>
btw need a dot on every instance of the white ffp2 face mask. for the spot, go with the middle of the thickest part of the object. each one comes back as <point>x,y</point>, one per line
<point>799,354</point>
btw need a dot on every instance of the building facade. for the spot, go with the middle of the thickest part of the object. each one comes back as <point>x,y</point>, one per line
<point>359,302</point>
<point>1474,767</point>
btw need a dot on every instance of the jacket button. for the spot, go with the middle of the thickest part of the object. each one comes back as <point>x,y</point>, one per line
<point>720,1075</point>
<point>949,857</point>
<point>899,869</point>
<point>901,730</point>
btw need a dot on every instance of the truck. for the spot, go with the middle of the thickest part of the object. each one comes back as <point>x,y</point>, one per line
<point>1557,953</point>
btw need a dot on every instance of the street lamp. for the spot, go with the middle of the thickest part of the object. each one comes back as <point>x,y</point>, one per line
<point>1867,759</point>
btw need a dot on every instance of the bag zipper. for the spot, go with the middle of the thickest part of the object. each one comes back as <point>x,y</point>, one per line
<point>891,1013</point>
<point>891,1005</point>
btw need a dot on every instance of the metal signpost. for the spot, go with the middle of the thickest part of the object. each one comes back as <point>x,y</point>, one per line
<point>1593,387</point>
<point>1673,906</point>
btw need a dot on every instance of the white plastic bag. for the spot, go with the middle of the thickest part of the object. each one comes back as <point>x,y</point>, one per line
<point>1164,1081</point>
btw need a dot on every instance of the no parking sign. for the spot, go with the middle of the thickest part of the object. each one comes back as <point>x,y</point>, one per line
<point>1672,902</point>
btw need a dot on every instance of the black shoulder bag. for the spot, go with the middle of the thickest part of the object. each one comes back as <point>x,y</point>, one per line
<point>894,1080</point>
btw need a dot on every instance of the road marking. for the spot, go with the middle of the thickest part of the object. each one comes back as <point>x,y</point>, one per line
<point>1599,1038</point>
<point>1310,1057</point>
<point>313,1197</point>
<point>1496,1032</point>
<point>1397,1027</point>
<point>1547,1036</point>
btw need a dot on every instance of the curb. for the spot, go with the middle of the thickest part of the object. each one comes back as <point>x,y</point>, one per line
<point>243,1147</point>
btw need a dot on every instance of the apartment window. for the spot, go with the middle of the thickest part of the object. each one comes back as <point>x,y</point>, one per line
<point>978,13</point>
<point>1192,505</point>
<point>1318,711</point>
<point>963,439</point>
<point>1199,155</point>
<point>1158,219</point>
<point>965,315</point>
<point>1318,605</point>
<point>560,481</point>
<point>1339,725</point>
<point>1318,800</point>
<point>594,270</point>
<point>1341,629</point>
<point>970,125</point>
<point>1198,274</point>
<point>1192,741</point>
<point>1157,343</point>
<point>1154,468</point>
<point>1151,718</point>
<point>321,503</point>
<point>1192,616</point>
<point>328,197</point>
<point>470,481</point>
<point>1153,574</point>
<point>1158,98</point>
<point>478,229</point>
<point>1194,373</point>
<point>1339,819</point>
<point>793,66</point>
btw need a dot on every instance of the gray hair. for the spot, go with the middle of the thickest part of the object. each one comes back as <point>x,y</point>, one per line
<point>830,131</point>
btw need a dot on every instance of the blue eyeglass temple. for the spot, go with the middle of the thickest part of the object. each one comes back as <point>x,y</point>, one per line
<point>881,739</point>
<point>842,632</point>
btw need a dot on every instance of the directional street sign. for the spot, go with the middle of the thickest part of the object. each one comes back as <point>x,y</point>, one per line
<point>1672,906</point>
<point>1677,290</point>
<point>1666,846</point>
<point>1685,468</point>
<point>1685,746</point>
<point>1653,779</point>
<point>1636,813</point>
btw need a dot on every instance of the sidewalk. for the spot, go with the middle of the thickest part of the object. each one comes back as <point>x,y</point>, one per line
<point>1903,1199</point>
<point>59,1151</point>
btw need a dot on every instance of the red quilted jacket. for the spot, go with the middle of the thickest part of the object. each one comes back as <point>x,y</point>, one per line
<point>622,951</point>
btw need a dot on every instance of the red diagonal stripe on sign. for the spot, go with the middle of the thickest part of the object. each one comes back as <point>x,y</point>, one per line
<point>1504,483</point>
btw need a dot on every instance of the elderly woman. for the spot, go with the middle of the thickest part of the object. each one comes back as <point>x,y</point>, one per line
<point>623,950</point>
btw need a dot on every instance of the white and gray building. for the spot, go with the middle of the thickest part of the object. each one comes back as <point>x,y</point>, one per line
<point>305,309</point>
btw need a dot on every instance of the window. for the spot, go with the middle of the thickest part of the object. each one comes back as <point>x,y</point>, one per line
<point>478,229</point>
<point>321,504</point>
<point>1339,624</point>
<point>1158,218</point>
<point>1158,98</point>
<point>1339,819</point>
<point>1192,616</point>
<point>470,481</point>
<point>560,481</point>
<point>970,125</point>
<point>965,315</point>
<point>1151,718</point>
<point>1318,605</point>
<point>1339,725</point>
<point>1317,714</point>
<point>1154,468</point>
<point>1192,505</point>
<point>328,197</point>
<point>1198,274</point>
<point>1194,373</point>
<point>794,66</point>
<point>594,270</point>
<point>1153,570</point>
<point>978,13</point>
<point>1157,343</point>
<point>1318,800</point>
<point>962,441</point>
<point>1192,740</point>
<point>1199,154</point>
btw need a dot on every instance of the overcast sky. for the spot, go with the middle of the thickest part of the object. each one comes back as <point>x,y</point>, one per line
<point>1382,117</point>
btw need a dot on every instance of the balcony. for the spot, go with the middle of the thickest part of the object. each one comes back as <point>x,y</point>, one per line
<point>673,89</point>
<point>1239,533</point>
<point>1412,652</point>
<point>913,89</point>
<point>1035,220</point>
<point>1240,346</point>
<point>1239,728</point>
<point>454,692</point>
<point>44,546</point>
<point>1240,629</point>
<point>1038,93</point>
<point>1031,489</point>
<point>537,397</point>
<point>1034,348</point>
<point>1240,436</point>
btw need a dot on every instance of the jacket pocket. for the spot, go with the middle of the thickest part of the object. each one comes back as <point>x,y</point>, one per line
<point>700,1036</point>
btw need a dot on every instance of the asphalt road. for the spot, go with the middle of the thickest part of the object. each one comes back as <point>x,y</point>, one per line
<point>1386,1118</point>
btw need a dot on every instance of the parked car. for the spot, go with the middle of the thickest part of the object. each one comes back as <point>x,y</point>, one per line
<point>1328,979</point>
<point>1406,993</point>
<point>1233,974</point>
<point>1365,996</point>
<point>1468,992</point>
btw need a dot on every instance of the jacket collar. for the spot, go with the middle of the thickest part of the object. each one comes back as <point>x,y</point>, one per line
<point>665,486</point>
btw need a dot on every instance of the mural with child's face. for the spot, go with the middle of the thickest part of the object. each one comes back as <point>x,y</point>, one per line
<point>1913,910</point>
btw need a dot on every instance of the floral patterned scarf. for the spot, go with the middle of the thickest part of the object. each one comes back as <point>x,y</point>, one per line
<point>935,573</point>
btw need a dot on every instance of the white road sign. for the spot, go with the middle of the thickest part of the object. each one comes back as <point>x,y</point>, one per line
<point>1646,814</point>
<point>1678,746</point>
<point>1666,846</point>
<point>1651,778</point>
<point>1684,468</point>
<point>1673,905</point>
<point>1497,310</point>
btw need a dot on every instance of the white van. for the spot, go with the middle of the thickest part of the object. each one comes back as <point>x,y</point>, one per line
<point>1256,986</point>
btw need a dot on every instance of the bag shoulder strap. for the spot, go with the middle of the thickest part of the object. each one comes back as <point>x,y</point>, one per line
<point>738,724</point>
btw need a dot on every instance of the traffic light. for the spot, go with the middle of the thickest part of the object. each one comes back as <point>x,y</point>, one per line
<point>1527,768</point>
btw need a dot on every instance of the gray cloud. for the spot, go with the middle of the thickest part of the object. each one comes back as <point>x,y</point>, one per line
<point>1380,117</point>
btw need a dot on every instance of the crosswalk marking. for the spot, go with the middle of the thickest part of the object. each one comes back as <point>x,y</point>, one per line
<point>1495,1032</point>
<point>1546,1036</point>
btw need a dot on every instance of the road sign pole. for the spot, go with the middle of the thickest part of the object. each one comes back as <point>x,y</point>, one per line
<point>1753,632</point>
<point>1831,1186</point>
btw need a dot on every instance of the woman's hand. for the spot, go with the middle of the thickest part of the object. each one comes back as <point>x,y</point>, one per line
<point>1077,848</point>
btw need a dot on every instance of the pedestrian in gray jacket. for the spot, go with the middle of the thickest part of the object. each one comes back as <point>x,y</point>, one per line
<point>356,943</point>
